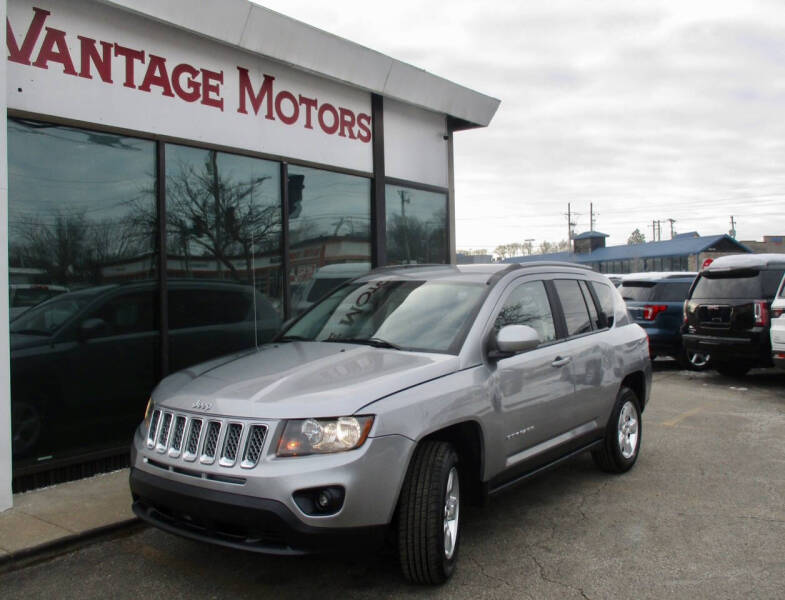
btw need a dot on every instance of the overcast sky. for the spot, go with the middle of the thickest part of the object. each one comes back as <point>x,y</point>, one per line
<point>648,109</point>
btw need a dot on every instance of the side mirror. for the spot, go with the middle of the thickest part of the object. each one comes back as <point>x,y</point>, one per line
<point>92,328</point>
<point>513,339</point>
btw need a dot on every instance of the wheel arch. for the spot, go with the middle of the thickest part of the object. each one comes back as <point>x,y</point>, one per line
<point>637,383</point>
<point>467,438</point>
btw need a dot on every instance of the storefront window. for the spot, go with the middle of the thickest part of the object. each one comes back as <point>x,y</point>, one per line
<point>82,225</point>
<point>223,227</point>
<point>329,232</point>
<point>416,226</point>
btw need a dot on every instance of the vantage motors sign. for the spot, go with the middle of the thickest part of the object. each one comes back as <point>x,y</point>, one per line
<point>92,63</point>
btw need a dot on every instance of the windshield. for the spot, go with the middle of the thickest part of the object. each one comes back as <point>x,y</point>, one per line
<point>46,318</point>
<point>426,316</point>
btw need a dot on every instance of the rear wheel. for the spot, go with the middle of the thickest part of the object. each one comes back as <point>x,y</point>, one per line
<point>729,369</point>
<point>622,435</point>
<point>692,360</point>
<point>429,514</point>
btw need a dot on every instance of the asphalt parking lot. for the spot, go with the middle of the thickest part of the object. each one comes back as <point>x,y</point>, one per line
<point>702,515</point>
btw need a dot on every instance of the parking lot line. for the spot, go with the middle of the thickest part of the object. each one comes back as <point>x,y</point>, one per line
<point>682,416</point>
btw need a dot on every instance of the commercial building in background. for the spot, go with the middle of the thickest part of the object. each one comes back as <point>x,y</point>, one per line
<point>181,178</point>
<point>685,252</point>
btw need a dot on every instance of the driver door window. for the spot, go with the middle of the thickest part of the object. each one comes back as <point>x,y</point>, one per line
<point>528,304</point>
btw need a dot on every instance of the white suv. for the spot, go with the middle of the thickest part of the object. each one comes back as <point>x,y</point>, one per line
<point>778,327</point>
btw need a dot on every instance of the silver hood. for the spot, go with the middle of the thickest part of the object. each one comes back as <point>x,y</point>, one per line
<point>300,379</point>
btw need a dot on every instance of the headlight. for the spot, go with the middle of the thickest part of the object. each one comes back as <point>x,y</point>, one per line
<point>148,413</point>
<point>322,436</point>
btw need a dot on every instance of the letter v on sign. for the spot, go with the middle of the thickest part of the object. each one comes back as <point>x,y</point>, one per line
<point>22,55</point>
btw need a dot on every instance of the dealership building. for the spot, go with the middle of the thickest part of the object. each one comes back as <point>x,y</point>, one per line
<point>178,179</point>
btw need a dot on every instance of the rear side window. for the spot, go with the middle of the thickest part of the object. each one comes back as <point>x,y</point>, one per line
<point>605,296</point>
<point>595,317</point>
<point>637,291</point>
<point>741,285</point>
<point>782,289</point>
<point>575,312</point>
<point>667,291</point>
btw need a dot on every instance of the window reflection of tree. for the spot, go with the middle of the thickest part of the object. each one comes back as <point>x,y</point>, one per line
<point>411,239</point>
<point>211,215</point>
<point>71,248</point>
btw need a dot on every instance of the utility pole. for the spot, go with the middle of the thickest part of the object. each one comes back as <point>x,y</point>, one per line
<point>653,231</point>
<point>570,225</point>
<point>732,231</point>
<point>671,221</point>
<point>591,216</point>
<point>659,230</point>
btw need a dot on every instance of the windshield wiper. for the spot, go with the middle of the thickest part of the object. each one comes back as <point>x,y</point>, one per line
<point>374,341</point>
<point>292,338</point>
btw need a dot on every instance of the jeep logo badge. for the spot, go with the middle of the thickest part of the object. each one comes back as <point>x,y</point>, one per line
<point>199,405</point>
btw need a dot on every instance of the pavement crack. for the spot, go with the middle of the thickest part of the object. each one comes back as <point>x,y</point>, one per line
<point>544,577</point>
<point>487,575</point>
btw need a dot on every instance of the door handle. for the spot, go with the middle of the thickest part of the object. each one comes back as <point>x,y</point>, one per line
<point>560,361</point>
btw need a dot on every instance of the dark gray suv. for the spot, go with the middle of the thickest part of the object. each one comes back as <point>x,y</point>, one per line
<point>402,395</point>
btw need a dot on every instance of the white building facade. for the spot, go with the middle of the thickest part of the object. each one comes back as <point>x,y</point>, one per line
<point>176,177</point>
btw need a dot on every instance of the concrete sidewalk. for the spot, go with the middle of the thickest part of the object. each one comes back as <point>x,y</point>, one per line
<point>45,520</point>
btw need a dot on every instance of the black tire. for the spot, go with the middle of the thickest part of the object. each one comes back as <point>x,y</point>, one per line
<point>421,512</point>
<point>732,369</point>
<point>610,457</point>
<point>693,361</point>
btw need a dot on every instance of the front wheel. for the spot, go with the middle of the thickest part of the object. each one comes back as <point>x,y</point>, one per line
<point>619,450</point>
<point>429,514</point>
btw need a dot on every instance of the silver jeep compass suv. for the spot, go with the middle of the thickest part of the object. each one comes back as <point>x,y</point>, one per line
<point>391,402</point>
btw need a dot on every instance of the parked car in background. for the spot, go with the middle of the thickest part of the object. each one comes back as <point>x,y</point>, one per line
<point>84,362</point>
<point>728,311</point>
<point>394,400</point>
<point>778,327</point>
<point>23,296</point>
<point>655,301</point>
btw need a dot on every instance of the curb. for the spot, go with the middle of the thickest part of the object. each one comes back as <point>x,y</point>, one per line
<point>49,550</point>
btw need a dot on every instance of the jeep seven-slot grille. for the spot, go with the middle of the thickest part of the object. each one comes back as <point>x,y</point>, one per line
<point>193,439</point>
<point>253,447</point>
<point>231,444</point>
<point>163,435</point>
<point>190,438</point>
<point>177,436</point>
<point>210,442</point>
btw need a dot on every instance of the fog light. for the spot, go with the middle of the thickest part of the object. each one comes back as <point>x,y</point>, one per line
<point>320,501</point>
<point>323,500</point>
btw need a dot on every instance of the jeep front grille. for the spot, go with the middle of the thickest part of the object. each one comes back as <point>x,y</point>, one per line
<point>163,435</point>
<point>210,442</point>
<point>184,437</point>
<point>231,443</point>
<point>177,437</point>
<point>253,446</point>
<point>153,428</point>
<point>192,445</point>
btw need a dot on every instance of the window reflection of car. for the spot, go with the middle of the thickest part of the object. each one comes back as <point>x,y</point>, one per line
<point>324,281</point>
<point>84,362</point>
<point>23,296</point>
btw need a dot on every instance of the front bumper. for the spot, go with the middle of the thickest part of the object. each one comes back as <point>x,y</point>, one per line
<point>236,521</point>
<point>255,508</point>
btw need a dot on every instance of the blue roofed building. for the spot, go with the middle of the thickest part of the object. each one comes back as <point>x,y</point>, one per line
<point>685,252</point>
